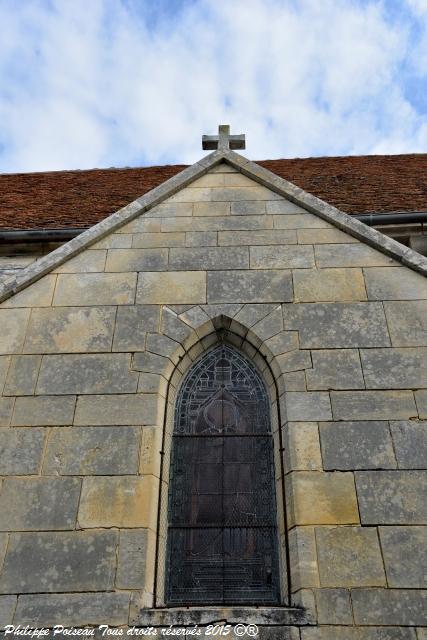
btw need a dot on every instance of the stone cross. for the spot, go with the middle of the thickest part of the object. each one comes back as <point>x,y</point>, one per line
<point>224,140</point>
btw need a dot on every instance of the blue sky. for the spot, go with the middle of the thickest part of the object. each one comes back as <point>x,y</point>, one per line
<point>99,83</point>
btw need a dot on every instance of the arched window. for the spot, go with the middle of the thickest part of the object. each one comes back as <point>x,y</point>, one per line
<point>222,531</point>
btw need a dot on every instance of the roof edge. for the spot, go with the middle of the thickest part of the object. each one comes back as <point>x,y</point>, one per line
<point>283,187</point>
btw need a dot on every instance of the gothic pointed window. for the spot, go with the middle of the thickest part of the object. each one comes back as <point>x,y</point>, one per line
<point>222,533</point>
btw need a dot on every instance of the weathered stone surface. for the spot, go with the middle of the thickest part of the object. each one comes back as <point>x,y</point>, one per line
<point>302,553</point>
<point>13,323</point>
<point>294,361</point>
<point>407,322</point>
<point>333,606</point>
<point>152,383</point>
<point>410,444</point>
<point>70,330</point>
<point>93,451</point>
<point>283,342</point>
<point>250,314</point>
<point>248,208</point>
<point>325,236</point>
<point>209,258</point>
<point>349,557</point>
<point>7,609</point>
<point>306,407</point>
<point>284,207</point>
<point>4,366</point>
<point>400,284</point>
<point>164,346</point>
<point>116,410</point>
<point>4,537</point>
<point>201,239</point>
<point>300,221</point>
<point>329,285</point>
<point>321,498</point>
<point>392,497</point>
<point>132,559</point>
<point>58,562</point>
<point>86,374</point>
<point>151,363</point>
<point>389,607</point>
<point>132,323</point>
<point>114,241</point>
<point>269,326</point>
<point>124,501</point>
<point>219,194</point>
<point>125,260</point>
<point>92,289</point>
<point>217,223</point>
<point>73,609</point>
<point>90,261</point>
<point>372,405</point>
<point>335,369</point>
<point>39,503</point>
<point>267,237</point>
<point>282,257</point>
<point>175,287</point>
<point>166,209</point>
<point>20,451</point>
<point>357,633</point>
<point>421,401</point>
<point>43,411</point>
<point>302,447</point>
<point>294,381</point>
<point>22,376</point>
<point>354,255</point>
<point>356,445</point>
<point>38,294</point>
<point>323,326</point>
<point>211,209</point>
<point>394,368</point>
<point>151,240</point>
<point>6,407</point>
<point>249,286</point>
<point>405,557</point>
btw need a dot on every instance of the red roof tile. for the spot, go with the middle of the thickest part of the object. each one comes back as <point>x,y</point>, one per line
<point>65,199</point>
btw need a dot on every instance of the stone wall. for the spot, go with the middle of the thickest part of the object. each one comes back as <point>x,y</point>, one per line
<point>91,356</point>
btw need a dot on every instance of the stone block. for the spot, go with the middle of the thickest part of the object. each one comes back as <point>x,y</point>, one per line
<point>333,606</point>
<point>400,284</point>
<point>335,369</point>
<point>164,346</point>
<point>294,361</point>
<point>152,240</point>
<point>38,294</point>
<point>126,260</point>
<point>22,376</point>
<point>173,326</point>
<point>300,221</point>
<point>329,235</point>
<point>224,194</point>
<point>144,224</point>
<point>7,609</point>
<point>217,223</point>
<point>321,498</point>
<point>302,447</point>
<point>59,562</point>
<point>356,445</point>
<point>152,363</point>
<point>124,409</point>
<point>86,374</point>
<point>389,607</point>
<point>166,209</point>
<point>21,451</point>
<point>249,286</point>
<point>73,609</point>
<point>302,552</point>
<point>6,407</point>
<point>405,557</point>
<point>392,497</point>
<point>211,209</point>
<point>421,401</point>
<point>407,322</point>
<point>188,258</point>
<point>350,255</point>
<point>201,239</point>
<point>132,324</point>
<point>4,366</point>
<point>79,329</point>
<point>284,207</point>
<point>283,342</point>
<point>94,289</point>
<point>90,261</point>
<point>294,381</point>
<point>270,325</point>
<point>373,405</point>
<point>114,241</point>
<point>238,180</point>
<point>123,501</point>
<point>282,257</point>
<point>395,368</point>
<point>254,238</point>
<point>341,325</point>
<point>175,287</point>
<point>357,633</point>
<point>307,406</point>
<point>250,314</point>
<point>132,559</point>
<point>13,323</point>
<point>349,557</point>
<point>43,411</point>
<point>93,451</point>
<point>410,444</point>
<point>152,383</point>
<point>248,208</point>
<point>35,504</point>
<point>329,285</point>
<point>4,538</point>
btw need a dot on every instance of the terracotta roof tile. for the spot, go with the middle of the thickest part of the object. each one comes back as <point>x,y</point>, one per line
<point>64,199</point>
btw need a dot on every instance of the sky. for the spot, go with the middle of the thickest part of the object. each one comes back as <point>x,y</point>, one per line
<point>101,83</point>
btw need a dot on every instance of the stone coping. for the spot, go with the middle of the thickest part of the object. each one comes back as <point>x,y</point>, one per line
<point>190,616</point>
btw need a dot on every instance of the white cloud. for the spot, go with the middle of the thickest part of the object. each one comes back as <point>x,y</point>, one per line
<point>86,84</point>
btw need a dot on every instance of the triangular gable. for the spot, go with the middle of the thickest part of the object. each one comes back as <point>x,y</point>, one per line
<point>282,187</point>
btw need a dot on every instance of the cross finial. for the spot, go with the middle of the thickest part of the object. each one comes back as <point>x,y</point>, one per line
<point>224,140</point>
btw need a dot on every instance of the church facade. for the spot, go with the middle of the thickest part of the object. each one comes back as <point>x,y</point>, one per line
<point>214,409</point>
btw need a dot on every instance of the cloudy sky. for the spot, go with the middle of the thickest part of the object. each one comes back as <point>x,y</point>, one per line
<point>98,83</point>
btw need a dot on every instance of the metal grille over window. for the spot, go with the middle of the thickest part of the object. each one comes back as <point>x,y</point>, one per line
<point>222,532</point>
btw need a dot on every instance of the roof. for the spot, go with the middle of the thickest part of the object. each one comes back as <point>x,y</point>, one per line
<point>72,199</point>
